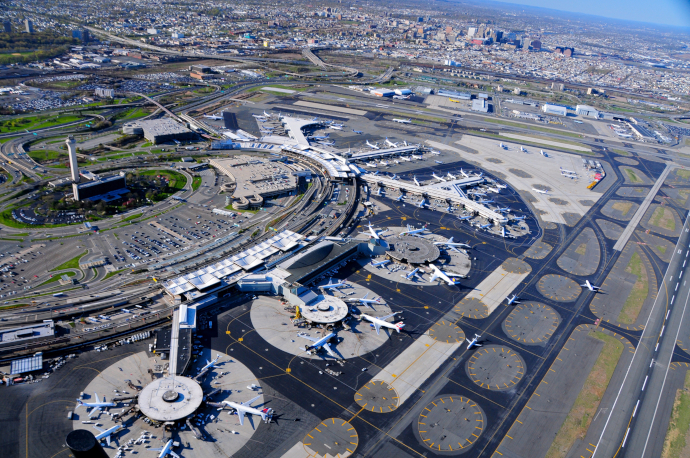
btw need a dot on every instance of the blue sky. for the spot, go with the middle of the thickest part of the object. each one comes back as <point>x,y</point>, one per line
<point>670,12</point>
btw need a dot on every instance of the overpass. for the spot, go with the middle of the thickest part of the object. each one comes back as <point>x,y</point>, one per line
<point>434,192</point>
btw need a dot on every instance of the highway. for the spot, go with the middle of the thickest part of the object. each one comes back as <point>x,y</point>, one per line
<point>632,426</point>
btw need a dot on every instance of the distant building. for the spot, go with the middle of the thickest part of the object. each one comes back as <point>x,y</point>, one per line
<point>178,35</point>
<point>403,92</point>
<point>454,94</point>
<point>105,93</point>
<point>201,76</point>
<point>82,35</point>
<point>382,93</point>
<point>109,188</point>
<point>558,87</point>
<point>557,110</point>
<point>29,26</point>
<point>165,130</point>
<point>585,110</point>
<point>536,45</point>
<point>7,27</point>
<point>152,31</point>
<point>480,105</point>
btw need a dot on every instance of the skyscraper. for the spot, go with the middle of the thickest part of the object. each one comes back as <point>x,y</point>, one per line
<point>29,26</point>
<point>7,27</point>
<point>73,165</point>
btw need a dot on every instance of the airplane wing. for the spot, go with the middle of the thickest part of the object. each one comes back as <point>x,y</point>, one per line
<point>240,414</point>
<point>107,439</point>
<point>377,327</point>
<point>99,429</point>
<point>248,403</point>
<point>313,339</point>
<point>157,449</point>
<point>387,316</point>
<point>330,351</point>
<point>173,454</point>
<point>94,411</point>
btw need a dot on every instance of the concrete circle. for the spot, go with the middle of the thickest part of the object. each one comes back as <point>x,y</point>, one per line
<point>329,310</point>
<point>274,324</point>
<point>412,250</point>
<point>450,423</point>
<point>153,404</point>
<point>331,437</point>
<point>559,288</point>
<point>538,251</point>
<point>471,307</point>
<point>446,331</point>
<point>377,396</point>
<point>495,367</point>
<point>531,323</point>
<point>516,266</point>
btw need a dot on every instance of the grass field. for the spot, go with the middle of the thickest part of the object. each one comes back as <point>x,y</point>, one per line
<point>71,264</point>
<point>623,207</point>
<point>537,128</point>
<point>176,180</point>
<point>35,122</point>
<point>42,156</point>
<point>57,277</point>
<point>676,442</point>
<point>663,218</point>
<point>633,304</point>
<point>112,274</point>
<point>620,152</point>
<point>580,416</point>
<point>196,182</point>
<point>684,174</point>
<point>529,143</point>
<point>632,176</point>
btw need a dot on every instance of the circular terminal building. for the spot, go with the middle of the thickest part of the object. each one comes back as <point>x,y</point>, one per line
<point>325,310</point>
<point>170,398</point>
<point>412,250</point>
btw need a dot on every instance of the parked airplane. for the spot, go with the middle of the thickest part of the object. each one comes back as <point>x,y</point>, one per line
<point>335,285</point>
<point>364,300</point>
<point>451,244</point>
<point>503,146</point>
<point>325,143</point>
<point>318,137</point>
<point>484,201</point>
<point>579,122</point>
<point>540,191</point>
<point>567,171</point>
<point>405,158</point>
<point>403,121</point>
<point>503,210</point>
<point>400,197</point>
<point>464,218</point>
<point>260,117</point>
<point>335,127</point>
<point>319,343</point>
<point>214,117</point>
<point>500,186</point>
<point>106,433</point>
<point>401,97</point>
<point>519,218</point>
<point>391,144</point>
<point>410,275</point>
<point>415,181</point>
<point>395,177</point>
<point>266,114</point>
<point>464,174</point>
<point>591,287</point>
<point>438,273</point>
<point>166,450</point>
<point>380,263</point>
<point>374,146</point>
<point>383,164</point>
<point>245,408</point>
<point>378,323</point>
<point>411,231</point>
<point>443,180</point>
<point>451,176</point>
<point>210,364</point>
<point>358,132</point>
<point>513,300</point>
<point>522,148</point>
<point>373,232</point>
<point>474,342</point>
<point>485,226</point>
<point>543,153</point>
<point>95,406</point>
<point>422,203</point>
<point>439,162</point>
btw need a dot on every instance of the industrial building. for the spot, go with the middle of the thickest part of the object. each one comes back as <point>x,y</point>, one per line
<point>455,94</point>
<point>383,93</point>
<point>557,110</point>
<point>108,189</point>
<point>480,105</point>
<point>27,333</point>
<point>586,110</point>
<point>164,130</point>
<point>105,93</point>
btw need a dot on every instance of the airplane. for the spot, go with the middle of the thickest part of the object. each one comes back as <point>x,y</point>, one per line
<point>503,210</point>
<point>464,218</point>
<point>372,164</point>
<point>319,343</point>
<point>405,143</point>
<point>400,197</point>
<point>485,226</point>
<point>411,231</point>
<point>435,153</point>
<point>450,243</point>
<point>405,158</point>
<point>540,191</point>
<point>422,203</point>
<point>383,164</point>
<point>326,143</point>
<point>315,119</point>
<point>438,273</point>
<point>214,117</point>
<point>522,148</point>
<point>105,433</point>
<point>519,218</point>
<point>167,449</point>
<point>411,275</point>
<point>335,127</point>
<point>266,114</point>
<point>378,323</point>
<point>358,132</point>
<point>503,146</point>
<point>375,146</point>
<point>260,117</point>
<point>483,201</point>
<point>391,144</point>
<point>318,137</point>
<point>567,171</point>
<point>415,181</point>
<point>496,190</point>
<point>380,263</point>
<point>96,406</point>
<point>210,364</point>
<point>513,300</point>
<point>474,342</point>
<point>403,121</point>
<point>544,154</point>
<point>591,287</point>
<point>443,180</point>
<point>464,174</point>
<point>364,300</point>
<point>373,231</point>
<point>451,176</point>
<point>332,285</point>
<point>439,162</point>
<point>401,97</point>
<point>500,186</point>
<point>395,177</point>
<point>579,122</point>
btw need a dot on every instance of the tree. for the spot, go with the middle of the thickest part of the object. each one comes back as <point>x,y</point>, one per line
<point>100,207</point>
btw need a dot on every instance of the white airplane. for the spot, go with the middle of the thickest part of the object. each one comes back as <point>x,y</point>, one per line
<point>401,97</point>
<point>451,176</point>
<point>438,273</point>
<point>326,143</point>
<point>543,153</point>
<point>474,342</point>
<point>485,226</point>
<point>332,285</point>
<point>167,450</point>
<point>540,191</point>
<point>318,137</point>
<point>400,197</point>
<point>260,117</point>
<point>519,218</point>
<point>501,186</point>
<point>496,190</point>
<point>374,233</point>
<point>405,158</point>
<point>380,263</point>
<point>319,343</point>
<point>383,164</point>
<point>512,300</point>
<point>503,210</point>
<point>443,180</point>
<point>95,406</point>
<point>364,301</point>
<point>210,364</point>
<point>451,244</point>
<point>522,148</point>
<point>372,164</point>
<point>464,218</point>
<point>464,174</point>
<point>381,322</point>
<point>591,287</point>
<point>503,146</point>
<point>403,121</point>
<point>335,127</point>
<point>435,153</point>
<point>579,122</point>
<point>411,275</point>
<point>567,171</point>
<point>214,117</point>
<point>415,180</point>
<point>422,203</point>
<point>484,201</point>
<point>395,177</point>
<point>358,132</point>
<point>106,433</point>
<point>391,144</point>
<point>411,231</point>
<point>375,146</point>
<point>245,408</point>
<point>266,114</point>
<point>439,162</point>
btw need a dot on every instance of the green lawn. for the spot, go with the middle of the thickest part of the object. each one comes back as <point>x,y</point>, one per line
<point>537,128</point>
<point>112,274</point>
<point>57,277</point>
<point>633,304</point>
<point>679,425</point>
<point>41,156</point>
<point>35,122</point>
<point>177,181</point>
<point>71,264</point>
<point>196,183</point>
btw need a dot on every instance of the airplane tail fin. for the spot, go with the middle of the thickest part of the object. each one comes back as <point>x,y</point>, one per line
<point>399,326</point>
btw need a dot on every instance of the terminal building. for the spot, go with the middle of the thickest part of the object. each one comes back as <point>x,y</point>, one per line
<point>165,130</point>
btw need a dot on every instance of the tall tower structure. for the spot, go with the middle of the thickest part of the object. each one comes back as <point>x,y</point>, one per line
<point>73,165</point>
<point>29,25</point>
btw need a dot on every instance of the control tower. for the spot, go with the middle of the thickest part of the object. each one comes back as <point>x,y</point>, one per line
<point>73,165</point>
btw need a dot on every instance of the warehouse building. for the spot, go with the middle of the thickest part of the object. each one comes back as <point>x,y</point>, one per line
<point>557,110</point>
<point>165,130</point>
<point>586,110</point>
